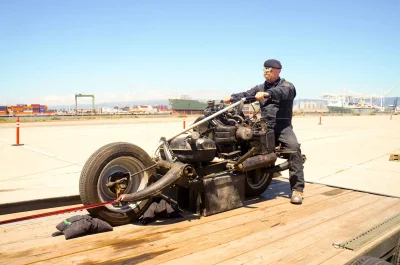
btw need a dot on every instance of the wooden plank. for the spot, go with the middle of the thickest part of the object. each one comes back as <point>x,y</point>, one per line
<point>43,229</point>
<point>275,196</point>
<point>11,247</point>
<point>150,237</point>
<point>323,250</point>
<point>300,240</point>
<point>289,222</point>
<point>177,245</point>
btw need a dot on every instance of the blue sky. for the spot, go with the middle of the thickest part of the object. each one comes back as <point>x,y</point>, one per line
<point>123,50</point>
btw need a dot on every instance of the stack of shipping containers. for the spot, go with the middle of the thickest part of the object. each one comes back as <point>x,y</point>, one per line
<point>23,109</point>
<point>3,110</point>
<point>28,110</point>
<point>42,109</point>
<point>35,108</point>
<point>18,110</point>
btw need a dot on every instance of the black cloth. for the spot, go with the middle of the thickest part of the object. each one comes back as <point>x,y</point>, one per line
<point>278,111</point>
<point>80,225</point>
<point>161,209</point>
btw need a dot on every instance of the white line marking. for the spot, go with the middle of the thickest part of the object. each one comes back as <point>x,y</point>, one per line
<point>44,153</point>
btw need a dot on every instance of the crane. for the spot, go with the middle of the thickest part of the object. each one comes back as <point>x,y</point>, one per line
<point>82,96</point>
<point>383,97</point>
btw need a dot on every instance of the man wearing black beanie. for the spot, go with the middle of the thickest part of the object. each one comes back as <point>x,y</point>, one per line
<point>276,97</point>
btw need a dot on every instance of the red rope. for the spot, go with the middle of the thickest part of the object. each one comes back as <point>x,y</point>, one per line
<point>74,209</point>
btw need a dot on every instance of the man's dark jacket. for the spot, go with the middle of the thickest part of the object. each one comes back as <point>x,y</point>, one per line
<point>279,109</point>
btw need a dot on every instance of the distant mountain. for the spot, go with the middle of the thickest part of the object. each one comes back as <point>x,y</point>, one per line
<point>121,104</point>
<point>309,99</point>
<point>387,101</point>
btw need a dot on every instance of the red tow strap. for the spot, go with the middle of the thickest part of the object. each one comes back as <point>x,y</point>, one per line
<point>74,209</point>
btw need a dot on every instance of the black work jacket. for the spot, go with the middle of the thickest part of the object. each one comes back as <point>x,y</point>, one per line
<point>278,110</point>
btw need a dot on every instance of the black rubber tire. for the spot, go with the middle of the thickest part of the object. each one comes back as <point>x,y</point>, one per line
<point>367,260</point>
<point>92,173</point>
<point>256,189</point>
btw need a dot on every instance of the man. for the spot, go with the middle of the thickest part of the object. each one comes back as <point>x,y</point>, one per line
<point>278,112</point>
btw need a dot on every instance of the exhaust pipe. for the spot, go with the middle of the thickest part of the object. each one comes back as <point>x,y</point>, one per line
<point>257,162</point>
<point>176,171</point>
<point>281,167</point>
<point>277,168</point>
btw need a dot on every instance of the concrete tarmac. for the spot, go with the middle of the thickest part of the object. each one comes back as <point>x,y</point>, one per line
<point>345,151</point>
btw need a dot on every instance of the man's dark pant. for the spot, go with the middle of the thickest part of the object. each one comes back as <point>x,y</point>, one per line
<point>285,135</point>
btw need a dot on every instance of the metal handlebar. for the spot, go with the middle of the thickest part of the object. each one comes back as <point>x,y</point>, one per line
<point>253,99</point>
<point>202,121</point>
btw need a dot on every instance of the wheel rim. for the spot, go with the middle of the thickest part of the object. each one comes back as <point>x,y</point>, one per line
<point>255,179</point>
<point>123,164</point>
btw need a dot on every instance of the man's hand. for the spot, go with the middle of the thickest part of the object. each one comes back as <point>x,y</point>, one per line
<point>262,95</point>
<point>227,100</point>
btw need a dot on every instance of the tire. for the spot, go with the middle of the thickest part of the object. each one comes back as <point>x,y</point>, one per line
<point>109,159</point>
<point>256,182</point>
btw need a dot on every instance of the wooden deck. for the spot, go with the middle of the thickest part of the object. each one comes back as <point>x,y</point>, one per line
<point>267,231</point>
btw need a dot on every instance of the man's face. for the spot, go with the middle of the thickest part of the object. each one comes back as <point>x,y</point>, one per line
<point>271,74</point>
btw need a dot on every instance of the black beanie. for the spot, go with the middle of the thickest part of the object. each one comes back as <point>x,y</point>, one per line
<point>273,63</point>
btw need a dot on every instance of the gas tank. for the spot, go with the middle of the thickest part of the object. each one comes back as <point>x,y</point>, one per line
<point>202,150</point>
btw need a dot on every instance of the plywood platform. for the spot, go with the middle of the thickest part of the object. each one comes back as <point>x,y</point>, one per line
<point>269,230</point>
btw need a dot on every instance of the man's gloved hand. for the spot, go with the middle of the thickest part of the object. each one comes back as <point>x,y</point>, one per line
<point>262,95</point>
<point>227,100</point>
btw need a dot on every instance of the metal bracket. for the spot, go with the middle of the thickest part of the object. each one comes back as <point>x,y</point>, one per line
<point>365,237</point>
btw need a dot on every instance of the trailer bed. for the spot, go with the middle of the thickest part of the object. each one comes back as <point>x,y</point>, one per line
<point>268,230</point>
